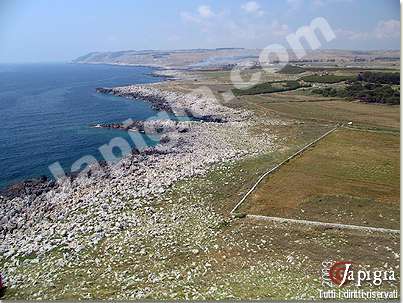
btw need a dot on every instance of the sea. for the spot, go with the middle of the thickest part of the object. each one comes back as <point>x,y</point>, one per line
<point>46,113</point>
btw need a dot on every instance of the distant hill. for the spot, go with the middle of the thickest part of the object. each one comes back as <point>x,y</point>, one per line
<point>174,58</point>
<point>227,56</point>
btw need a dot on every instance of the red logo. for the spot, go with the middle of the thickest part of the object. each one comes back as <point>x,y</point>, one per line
<point>339,271</point>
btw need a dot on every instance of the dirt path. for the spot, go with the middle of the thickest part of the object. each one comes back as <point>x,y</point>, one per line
<point>325,225</point>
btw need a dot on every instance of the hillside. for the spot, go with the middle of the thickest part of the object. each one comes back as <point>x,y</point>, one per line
<point>226,57</point>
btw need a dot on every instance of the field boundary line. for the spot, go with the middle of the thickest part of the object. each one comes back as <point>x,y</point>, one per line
<point>299,152</point>
<point>324,224</point>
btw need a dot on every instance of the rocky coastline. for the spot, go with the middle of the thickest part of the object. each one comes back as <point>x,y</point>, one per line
<point>75,214</point>
<point>150,127</point>
<point>157,102</point>
<point>34,187</point>
<point>195,106</point>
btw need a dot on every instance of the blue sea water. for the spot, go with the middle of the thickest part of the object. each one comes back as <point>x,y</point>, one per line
<point>46,111</point>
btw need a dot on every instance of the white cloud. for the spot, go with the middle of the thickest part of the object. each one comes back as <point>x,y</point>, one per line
<point>388,29</point>
<point>298,4</point>
<point>252,7</point>
<point>205,11</point>
<point>188,17</point>
<point>319,3</point>
<point>254,32</point>
<point>221,28</point>
<point>384,30</point>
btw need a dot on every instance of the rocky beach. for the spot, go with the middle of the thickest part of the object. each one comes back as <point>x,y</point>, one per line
<point>76,214</point>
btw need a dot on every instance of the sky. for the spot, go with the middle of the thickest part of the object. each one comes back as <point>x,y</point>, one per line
<point>61,30</point>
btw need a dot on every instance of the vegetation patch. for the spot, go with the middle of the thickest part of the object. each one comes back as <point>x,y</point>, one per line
<point>383,78</point>
<point>269,87</point>
<point>327,78</point>
<point>366,92</point>
<point>372,87</point>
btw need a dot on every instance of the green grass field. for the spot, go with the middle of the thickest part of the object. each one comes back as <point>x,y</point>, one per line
<point>302,106</point>
<point>350,177</point>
